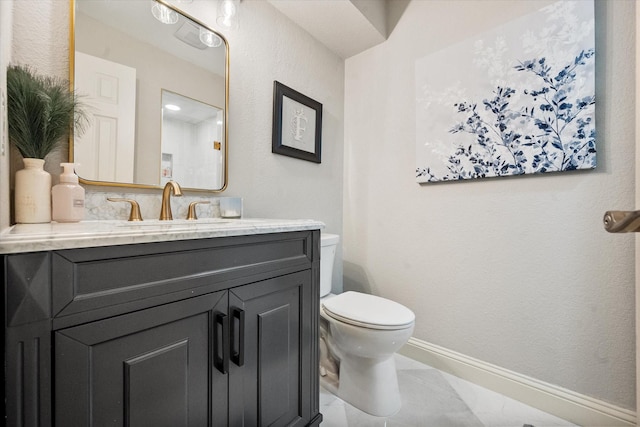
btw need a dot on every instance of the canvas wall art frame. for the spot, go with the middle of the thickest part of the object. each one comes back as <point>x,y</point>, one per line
<point>297,124</point>
<point>517,99</point>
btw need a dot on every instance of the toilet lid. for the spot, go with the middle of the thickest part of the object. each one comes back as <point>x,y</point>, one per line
<point>368,311</point>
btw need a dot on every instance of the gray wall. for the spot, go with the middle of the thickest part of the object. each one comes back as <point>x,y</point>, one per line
<point>517,272</point>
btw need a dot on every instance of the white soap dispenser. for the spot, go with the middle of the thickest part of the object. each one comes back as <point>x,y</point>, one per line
<point>67,197</point>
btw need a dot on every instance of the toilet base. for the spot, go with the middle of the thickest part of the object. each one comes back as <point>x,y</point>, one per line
<point>370,385</point>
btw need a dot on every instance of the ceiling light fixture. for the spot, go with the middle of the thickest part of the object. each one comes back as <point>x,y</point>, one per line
<point>227,16</point>
<point>172,107</point>
<point>163,13</point>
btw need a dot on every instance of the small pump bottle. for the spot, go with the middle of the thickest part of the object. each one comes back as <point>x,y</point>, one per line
<point>67,197</point>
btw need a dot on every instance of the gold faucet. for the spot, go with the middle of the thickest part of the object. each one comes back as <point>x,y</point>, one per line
<point>134,215</point>
<point>165,211</point>
<point>191,214</point>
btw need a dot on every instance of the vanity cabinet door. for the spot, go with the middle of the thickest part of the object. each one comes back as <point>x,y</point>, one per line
<point>267,345</point>
<point>154,367</point>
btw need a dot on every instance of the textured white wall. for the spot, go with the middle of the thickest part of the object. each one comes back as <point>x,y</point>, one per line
<point>41,40</point>
<point>517,272</point>
<point>6,17</point>
<point>266,47</point>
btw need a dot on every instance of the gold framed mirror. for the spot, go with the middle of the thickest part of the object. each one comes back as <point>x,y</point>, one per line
<point>156,84</point>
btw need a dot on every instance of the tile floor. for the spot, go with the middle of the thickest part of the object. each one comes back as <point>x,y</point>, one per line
<point>432,398</point>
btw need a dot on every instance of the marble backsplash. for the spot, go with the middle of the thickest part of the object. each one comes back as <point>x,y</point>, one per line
<point>97,207</point>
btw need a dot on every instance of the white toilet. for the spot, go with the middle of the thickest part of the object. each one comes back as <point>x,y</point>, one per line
<point>359,333</point>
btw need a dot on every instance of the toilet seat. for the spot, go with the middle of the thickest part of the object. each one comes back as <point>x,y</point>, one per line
<point>368,311</point>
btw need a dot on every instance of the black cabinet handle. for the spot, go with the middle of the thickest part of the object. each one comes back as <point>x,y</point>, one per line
<point>237,357</point>
<point>220,348</point>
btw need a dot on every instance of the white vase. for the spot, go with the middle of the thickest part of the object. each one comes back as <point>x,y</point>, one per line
<point>33,193</point>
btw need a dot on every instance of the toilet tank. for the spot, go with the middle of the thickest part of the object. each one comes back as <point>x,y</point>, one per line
<point>328,244</point>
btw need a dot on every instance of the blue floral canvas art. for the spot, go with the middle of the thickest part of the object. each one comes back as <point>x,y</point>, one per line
<point>519,99</point>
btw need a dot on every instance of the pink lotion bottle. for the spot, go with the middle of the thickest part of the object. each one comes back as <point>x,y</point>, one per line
<point>67,197</point>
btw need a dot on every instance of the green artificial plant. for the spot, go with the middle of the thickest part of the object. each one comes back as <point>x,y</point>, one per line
<point>42,111</point>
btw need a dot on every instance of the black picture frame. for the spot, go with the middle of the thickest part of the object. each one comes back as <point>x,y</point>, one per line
<point>292,119</point>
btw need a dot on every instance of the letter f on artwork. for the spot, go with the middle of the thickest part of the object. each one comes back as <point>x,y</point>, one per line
<point>299,121</point>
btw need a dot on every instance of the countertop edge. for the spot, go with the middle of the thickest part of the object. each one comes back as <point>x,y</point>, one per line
<point>88,234</point>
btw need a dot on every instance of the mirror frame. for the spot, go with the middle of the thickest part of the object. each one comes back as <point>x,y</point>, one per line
<point>225,183</point>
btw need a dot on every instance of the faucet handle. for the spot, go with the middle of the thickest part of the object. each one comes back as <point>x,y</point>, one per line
<point>135,214</point>
<point>192,209</point>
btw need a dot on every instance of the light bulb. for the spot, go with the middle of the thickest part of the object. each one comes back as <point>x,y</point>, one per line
<point>228,13</point>
<point>228,8</point>
<point>163,14</point>
<point>209,38</point>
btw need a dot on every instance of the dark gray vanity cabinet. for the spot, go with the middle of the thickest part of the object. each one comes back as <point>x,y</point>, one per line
<point>267,370</point>
<point>208,332</point>
<point>147,368</point>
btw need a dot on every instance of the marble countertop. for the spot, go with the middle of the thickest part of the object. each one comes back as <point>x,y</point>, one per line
<point>52,236</point>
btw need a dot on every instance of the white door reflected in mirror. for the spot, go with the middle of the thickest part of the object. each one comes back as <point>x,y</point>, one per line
<point>107,148</point>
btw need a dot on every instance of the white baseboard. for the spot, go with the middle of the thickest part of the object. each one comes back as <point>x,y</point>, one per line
<point>571,406</point>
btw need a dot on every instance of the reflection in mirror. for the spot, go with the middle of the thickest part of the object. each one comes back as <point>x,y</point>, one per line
<point>131,58</point>
<point>191,147</point>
